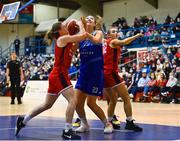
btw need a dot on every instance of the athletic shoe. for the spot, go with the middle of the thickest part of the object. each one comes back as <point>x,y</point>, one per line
<point>70,135</point>
<point>77,123</point>
<point>83,128</point>
<point>131,126</point>
<point>131,96</point>
<point>19,124</point>
<point>108,128</point>
<point>12,102</point>
<point>115,122</point>
<point>19,102</point>
<point>173,101</point>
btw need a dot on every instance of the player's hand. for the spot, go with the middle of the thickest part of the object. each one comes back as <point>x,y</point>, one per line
<point>140,35</point>
<point>85,35</point>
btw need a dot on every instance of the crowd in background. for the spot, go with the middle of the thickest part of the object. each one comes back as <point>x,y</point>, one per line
<point>154,32</point>
<point>157,71</point>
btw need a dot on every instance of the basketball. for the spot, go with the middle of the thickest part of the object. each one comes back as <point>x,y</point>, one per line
<point>73,27</point>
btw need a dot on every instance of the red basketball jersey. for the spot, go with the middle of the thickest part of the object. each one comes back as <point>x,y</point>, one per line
<point>63,57</point>
<point>111,56</point>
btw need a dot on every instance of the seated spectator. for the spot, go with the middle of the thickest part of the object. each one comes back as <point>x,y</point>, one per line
<point>151,86</point>
<point>161,83</point>
<point>135,78</point>
<point>167,68</point>
<point>170,84</point>
<point>143,82</point>
<point>176,88</point>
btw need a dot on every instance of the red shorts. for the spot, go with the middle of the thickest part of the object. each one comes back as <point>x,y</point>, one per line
<point>58,81</point>
<point>112,79</point>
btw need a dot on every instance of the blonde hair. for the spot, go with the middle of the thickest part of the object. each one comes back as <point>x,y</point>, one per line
<point>98,22</point>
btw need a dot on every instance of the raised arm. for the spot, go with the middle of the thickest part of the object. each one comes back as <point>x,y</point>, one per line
<point>64,40</point>
<point>97,38</point>
<point>116,43</point>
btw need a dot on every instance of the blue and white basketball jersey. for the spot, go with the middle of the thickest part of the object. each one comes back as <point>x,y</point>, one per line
<point>91,68</point>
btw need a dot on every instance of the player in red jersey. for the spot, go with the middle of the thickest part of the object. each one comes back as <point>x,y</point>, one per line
<point>59,82</point>
<point>113,83</point>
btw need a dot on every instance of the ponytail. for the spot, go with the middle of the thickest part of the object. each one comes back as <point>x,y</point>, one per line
<point>53,33</point>
<point>99,22</point>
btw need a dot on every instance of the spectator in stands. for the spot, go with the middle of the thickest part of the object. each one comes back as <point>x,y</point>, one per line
<point>150,87</point>
<point>153,67</point>
<point>132,89</point>
<point>176,88</point>
<point>161,83</point>
<point>14,75</point>
<point>170,84</point>
<point>2,82</point>
<point>17,43</point>
<point>158,69</point>
<point>167,68</point>
<point>143,82</point>
<point>174,65</point>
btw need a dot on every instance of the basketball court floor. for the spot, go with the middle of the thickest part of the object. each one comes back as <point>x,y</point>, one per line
<point>159,121</point>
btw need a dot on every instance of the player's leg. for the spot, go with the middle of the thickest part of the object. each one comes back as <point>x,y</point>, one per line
<point>68,133</point>
<point>81,97</point>
<point>123,93</point>
<point>91,102</point>
<point>112,96</point>
<point>47,104</point>
<point>71,98</point>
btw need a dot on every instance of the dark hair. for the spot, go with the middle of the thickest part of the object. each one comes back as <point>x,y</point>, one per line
<point>53,33</point>
<point>154,75</point>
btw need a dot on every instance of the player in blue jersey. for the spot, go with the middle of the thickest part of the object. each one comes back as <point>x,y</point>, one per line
<point>90,82</point>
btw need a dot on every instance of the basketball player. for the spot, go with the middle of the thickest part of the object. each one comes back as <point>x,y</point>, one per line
<point>59,82</point>
<point>90,82</point>
<point>113,83</point>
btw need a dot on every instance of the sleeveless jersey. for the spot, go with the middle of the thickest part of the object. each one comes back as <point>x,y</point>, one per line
<point>91,68</point>
<point>63,57</point>
<point>111,56</point>
<point>91,55</point>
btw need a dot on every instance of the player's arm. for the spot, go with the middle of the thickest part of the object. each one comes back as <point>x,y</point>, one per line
<point>64,40</point>
<point>22,74</point>
<point>117,43</point>
<point>7,74</point>
<point>97,38</point>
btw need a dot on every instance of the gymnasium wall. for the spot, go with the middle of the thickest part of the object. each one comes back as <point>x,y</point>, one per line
<point>8,33</point>
<point>44,12</point>
<point>135,8</point>
<point>82,11</point>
